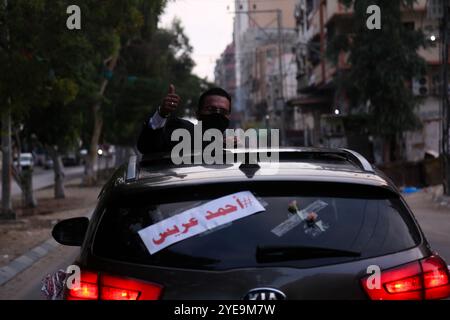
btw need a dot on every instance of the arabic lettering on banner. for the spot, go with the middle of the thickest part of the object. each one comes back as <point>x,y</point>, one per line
<point>200,219</point>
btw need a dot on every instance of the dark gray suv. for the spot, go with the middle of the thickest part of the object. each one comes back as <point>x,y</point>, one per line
<point>324,224</point>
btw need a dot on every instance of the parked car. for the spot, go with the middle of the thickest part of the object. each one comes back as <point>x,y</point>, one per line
<point>25,160</point>
<point>317,227</point>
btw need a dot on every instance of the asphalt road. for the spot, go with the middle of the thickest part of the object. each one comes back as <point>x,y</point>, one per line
<point>27,285</point>
<point>433,219</point>
<point>45,178</point>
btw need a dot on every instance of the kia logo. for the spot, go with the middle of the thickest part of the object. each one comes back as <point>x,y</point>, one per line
<point>265,294</point>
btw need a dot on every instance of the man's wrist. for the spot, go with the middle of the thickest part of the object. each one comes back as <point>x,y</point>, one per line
<point>161,114</point>
<point>157,121</point>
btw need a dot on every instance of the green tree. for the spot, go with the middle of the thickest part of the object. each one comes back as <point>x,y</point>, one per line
<point>142,76</point>
<point>109,27</point>
<point>54,119</point>
<point>50,75</point>
<point>63,60</point>
<point>20,83</point>
<point>382,63</point>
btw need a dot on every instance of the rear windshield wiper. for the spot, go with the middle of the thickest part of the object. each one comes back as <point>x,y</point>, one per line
<point>265,254</point>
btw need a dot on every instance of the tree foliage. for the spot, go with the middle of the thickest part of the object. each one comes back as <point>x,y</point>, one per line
<point>52,76</point>
<point>383,63</point>
<point>141,80</point>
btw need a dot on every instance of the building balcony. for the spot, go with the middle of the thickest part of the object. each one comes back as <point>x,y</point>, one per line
<point>332,10</point>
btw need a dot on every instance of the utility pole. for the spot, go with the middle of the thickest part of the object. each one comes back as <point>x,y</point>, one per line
<point>280,67</point>
<point>445,100</point>
<point>279,13</point>
<point>6,211</point>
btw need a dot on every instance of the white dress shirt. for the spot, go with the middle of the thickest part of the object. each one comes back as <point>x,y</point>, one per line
<point>157,122</point>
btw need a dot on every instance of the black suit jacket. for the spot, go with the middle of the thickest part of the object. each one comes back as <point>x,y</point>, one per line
<point>152,141</point>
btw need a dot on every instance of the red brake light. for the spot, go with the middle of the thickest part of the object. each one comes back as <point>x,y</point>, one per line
<point>404,285</point>
<point>88,289</point>
<point>424,279</point>
<point>436,278</point>
<point>118,294</point>
<point>108,287</point>
<point>116,288</point>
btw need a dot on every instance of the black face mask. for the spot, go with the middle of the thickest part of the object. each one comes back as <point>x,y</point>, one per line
<point>215,121</point>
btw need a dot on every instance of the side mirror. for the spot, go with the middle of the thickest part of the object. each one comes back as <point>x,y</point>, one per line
<point>71,232</point>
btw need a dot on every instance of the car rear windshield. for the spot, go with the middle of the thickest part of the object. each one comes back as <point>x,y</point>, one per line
<point>300,226</point>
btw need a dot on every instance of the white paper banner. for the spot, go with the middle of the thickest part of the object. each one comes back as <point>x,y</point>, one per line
<point>200,219</point>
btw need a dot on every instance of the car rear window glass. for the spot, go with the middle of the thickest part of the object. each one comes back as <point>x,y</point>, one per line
<point>369,226</point>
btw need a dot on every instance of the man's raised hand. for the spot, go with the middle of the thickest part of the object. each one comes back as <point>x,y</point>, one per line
<point>170,102</point>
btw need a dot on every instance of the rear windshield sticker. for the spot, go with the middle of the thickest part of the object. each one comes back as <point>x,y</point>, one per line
<point>308,215</point>
<point>200,219</point>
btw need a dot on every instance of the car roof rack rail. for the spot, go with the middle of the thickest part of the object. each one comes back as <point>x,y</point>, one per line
<point>284,154</point>
<point>300,153</point>
<point>132,169</point>
<point>360,160</point>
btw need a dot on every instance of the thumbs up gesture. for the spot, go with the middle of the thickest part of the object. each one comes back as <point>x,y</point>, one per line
<point>170,103</point>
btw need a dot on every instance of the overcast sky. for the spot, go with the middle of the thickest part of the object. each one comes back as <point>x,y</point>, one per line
<point>209,26</point>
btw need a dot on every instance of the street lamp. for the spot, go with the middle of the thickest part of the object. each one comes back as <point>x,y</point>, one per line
<point>267,121</point>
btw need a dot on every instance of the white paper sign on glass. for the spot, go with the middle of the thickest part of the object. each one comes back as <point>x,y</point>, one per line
<point>200,219</point>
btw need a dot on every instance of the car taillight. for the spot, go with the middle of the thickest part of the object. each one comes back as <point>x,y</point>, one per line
<point>95,286</point>
<point>404,285</point>
<point>116,288</point>
<point>425,279</point>
<point>88,289</point>
<point>436,278</point>
<point>119,294</point>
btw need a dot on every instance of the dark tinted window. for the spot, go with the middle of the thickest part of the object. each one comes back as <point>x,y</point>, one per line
<point>371,226</point>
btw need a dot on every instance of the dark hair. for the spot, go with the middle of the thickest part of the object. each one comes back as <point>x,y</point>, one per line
<point>213,92</point>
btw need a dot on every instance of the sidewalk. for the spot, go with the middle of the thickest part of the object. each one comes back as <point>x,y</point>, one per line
<point>433,216</point>
<point>32,229</point>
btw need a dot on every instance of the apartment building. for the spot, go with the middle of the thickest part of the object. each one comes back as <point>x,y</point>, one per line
<point>264,33</point>
<point>225,74</point>
<point>320,107</point>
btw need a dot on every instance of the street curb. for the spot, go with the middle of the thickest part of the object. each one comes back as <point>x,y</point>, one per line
<point>25,261</point>
<point>28,259</point>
